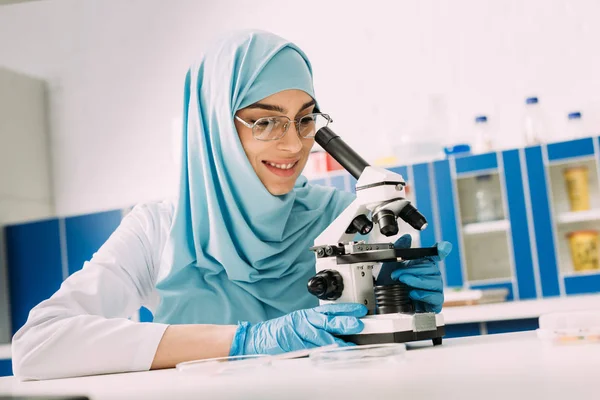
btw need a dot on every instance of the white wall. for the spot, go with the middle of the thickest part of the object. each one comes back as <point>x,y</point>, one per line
<point>116,71</point>
<point>25,177</point>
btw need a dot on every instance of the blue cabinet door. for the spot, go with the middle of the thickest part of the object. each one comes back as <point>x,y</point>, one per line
<point>425,202</point>
<point>542,221</point>
<point>445,197</point>
<point>6,367</point>
<point>34,263</point>
<point>86,234</point>
<point>519,225</point>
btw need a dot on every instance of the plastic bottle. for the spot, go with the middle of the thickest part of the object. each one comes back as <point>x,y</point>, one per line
<point>535,128</point>
<point>487,202</point>
<point>483,136</point>
<point>575,129</point>
<point>426,143</point>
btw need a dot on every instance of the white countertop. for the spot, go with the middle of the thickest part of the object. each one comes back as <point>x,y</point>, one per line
<point>4,351</point>
<point>504,366</point>
<point>490,312</point>
<point>519,309</point>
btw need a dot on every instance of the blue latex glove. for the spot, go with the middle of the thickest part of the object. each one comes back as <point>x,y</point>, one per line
<point>302,329</point>
<point>422,275</point>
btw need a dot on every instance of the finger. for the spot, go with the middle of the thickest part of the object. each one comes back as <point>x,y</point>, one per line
<point>338,325</point>
<point>444,249</point>
<point>404,242</point>
<point>433,298</point>
<point>419,269</point>
<point>429,283</point>
<point>315,337</point>
<point>348,309</point>
<point>342,343</point>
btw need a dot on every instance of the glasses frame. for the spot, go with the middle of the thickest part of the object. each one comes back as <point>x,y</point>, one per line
<point>286,126</point>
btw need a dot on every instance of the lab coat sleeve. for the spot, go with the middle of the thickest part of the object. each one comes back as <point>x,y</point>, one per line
<point>84,328</point>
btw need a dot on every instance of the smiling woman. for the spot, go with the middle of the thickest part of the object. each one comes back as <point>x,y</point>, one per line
<point>278,146</point>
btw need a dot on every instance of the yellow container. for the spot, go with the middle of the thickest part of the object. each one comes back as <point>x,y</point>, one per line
<point>576,179</point>
<point>584,250</point>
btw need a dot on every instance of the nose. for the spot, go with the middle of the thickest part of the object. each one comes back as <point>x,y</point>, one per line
<point>291,141</point>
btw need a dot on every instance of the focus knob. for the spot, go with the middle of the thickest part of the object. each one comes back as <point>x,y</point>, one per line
<point>326,285</point>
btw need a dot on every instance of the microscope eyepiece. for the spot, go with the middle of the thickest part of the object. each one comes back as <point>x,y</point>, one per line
<point>340,151</point>
<point>414,218</point>
<point>388,224</point>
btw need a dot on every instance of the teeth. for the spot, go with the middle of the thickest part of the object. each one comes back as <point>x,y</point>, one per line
<point>281,166</point>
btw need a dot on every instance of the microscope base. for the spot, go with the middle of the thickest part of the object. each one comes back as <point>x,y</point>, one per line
<point>399,328</point>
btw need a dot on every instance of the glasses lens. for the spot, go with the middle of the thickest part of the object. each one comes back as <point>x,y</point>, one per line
<point>269,128</point>
<point>309,125</point>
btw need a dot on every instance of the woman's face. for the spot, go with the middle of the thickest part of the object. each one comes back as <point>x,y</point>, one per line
<point>290,149</point>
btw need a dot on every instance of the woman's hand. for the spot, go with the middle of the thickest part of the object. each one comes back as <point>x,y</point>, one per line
<point>302,329</point>
<point>422,276</point>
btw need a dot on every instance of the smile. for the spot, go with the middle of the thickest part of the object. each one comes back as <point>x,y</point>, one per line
<point>281,166</point>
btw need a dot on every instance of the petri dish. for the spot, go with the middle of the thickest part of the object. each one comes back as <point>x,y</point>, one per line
<point>359,356</point>
<point>570,327</point>
<point>226,365</point>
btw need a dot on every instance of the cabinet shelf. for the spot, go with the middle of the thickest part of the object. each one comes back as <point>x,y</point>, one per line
<point>572,217</point>
<point>479,228</point>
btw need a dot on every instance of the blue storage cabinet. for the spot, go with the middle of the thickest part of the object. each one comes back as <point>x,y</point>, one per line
<point>6,367</point>
<point>554,218</point>
<point>85,234</point>
<point>34,264</point>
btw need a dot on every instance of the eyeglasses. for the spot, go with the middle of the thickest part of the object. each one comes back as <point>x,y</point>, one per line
<point>274,128</point>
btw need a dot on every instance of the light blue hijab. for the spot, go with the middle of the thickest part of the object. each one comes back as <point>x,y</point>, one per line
<point>237,252</point>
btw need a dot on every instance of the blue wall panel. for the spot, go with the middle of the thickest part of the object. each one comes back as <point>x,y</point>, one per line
<point>544,233</point>
<point>519,225</point>
<point>517,325</point>
<point>321,182</point>
<point>507,285</point>
<point>352,184</point>
<point>146,315</point>
<point>6,368</point>
<point>461,330</point>
<point>570,149</point>
<point>423,198</point>
<point>582,284</point>
<point>480,162</point>
<point>402,171</point>
<point>339,182</point>
<point>445,201</point>
<point>34,266</point>
<point>86,234</point>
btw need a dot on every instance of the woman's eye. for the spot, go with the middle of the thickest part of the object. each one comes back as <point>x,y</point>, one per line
<point>263,123</point>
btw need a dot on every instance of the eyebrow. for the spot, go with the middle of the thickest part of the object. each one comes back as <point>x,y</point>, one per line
<point>271,107</point>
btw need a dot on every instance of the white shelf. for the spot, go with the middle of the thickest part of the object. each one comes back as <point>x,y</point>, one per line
<point>5,352</point>
<point>519,309</point>
<point>479,228</point>
<point>578,216</point>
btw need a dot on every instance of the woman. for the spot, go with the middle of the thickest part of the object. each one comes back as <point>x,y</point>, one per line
<point>224,269</point>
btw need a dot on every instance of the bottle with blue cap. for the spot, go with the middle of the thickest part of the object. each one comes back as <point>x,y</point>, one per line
<point>534,123</point>
<point>484,142</point>
<point>575,129</point>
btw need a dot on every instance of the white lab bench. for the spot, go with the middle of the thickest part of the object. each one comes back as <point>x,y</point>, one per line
<point>524,309</point>
<point>503,366</point>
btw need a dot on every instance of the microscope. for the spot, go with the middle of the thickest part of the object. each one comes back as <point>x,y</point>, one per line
<point>346,267</point>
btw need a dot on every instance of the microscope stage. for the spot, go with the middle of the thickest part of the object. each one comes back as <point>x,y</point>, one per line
<point>399,328</point>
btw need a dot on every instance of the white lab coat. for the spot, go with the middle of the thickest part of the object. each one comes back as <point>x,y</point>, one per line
<point>85,327</point>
